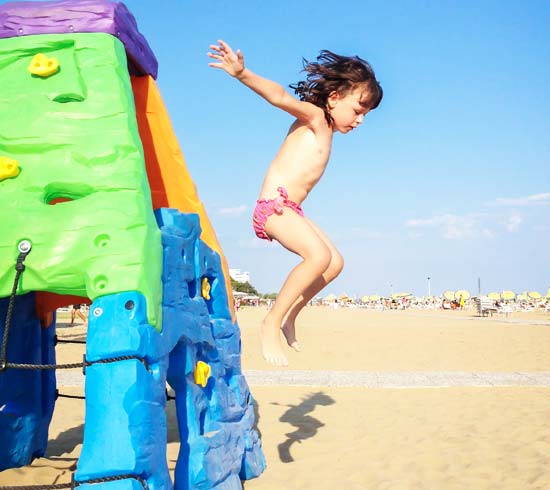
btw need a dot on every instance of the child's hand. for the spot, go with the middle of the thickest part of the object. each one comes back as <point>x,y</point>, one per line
<point>229,61</point>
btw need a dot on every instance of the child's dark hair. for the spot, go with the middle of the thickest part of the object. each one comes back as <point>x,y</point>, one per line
<point>341,74</point>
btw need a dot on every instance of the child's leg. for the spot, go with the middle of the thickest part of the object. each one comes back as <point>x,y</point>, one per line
<point>297,235</point>
<point>81,315</point>
<point>333,270</point>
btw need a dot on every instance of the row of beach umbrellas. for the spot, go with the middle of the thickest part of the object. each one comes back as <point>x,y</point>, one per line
<point>449,295</point>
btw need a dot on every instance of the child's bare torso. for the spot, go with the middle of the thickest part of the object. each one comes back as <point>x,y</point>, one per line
<point>300,162</point>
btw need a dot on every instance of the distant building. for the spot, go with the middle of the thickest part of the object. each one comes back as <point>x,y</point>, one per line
<point>239,276</point>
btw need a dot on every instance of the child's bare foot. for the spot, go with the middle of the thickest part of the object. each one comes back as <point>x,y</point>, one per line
<point>271,344</point>
<point>289,331</point>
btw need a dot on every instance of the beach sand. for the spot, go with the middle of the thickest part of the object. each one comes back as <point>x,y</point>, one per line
<point>320,437</point>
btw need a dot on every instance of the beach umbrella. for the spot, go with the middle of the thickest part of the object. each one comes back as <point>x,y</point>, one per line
<point>330,297</point>
<point>534,295</point>
<point>494,296</point>
<point>450,295</point>
<point>508,295</point>
<point>374,297</point>
<point>548,293</point>
<point>365,299</point>
<point>522,297</point>
<point>462,292</point>
<point>400,295</point>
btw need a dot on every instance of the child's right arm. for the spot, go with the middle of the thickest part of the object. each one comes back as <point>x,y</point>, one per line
<point>271,91</point>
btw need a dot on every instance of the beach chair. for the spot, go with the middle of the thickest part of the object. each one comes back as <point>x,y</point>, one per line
<point>505,310</point>
<point>485,306</point>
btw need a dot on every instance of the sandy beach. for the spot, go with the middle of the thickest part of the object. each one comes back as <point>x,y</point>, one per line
<point>322,437</point>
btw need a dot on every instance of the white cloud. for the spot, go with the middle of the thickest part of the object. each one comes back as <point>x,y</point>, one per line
<point>532,200</point>
<point>471,225</point>
<point>234,211</point>
<point>513,222</point>
<point>254,243</point>
<point>450,225</point>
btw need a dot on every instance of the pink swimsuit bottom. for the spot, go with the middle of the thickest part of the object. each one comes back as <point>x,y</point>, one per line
<point>266,207</point>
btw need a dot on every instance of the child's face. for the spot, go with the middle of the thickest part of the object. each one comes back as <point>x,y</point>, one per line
<point>346,110</point>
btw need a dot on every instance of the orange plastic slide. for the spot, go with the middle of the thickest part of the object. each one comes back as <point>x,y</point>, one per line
<point>170,181</point>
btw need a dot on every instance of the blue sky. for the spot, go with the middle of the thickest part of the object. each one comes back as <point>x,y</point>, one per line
<point>448,178</point>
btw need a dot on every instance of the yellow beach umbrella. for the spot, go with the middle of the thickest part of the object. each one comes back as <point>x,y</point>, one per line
<point>330,297</point>
<point>534,295</point>
<point>374,297</point>
<point>521,297</point>
<point>548,293</point>
<point>450,295</point>
<point>462,292</point>
<point>508,295</point>
<point>494,296</point>
<point>365,299</point>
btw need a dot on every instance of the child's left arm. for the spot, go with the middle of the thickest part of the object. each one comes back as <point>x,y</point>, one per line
<point>274,93</point>
<point>230,62</point>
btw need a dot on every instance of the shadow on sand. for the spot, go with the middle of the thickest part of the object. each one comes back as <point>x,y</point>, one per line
<point>306,425</point>
<point>65,442</point>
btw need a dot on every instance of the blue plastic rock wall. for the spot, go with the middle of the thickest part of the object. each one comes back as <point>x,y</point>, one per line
<point>27,397</point>
<point>219,443</point>
<point>125,427</point>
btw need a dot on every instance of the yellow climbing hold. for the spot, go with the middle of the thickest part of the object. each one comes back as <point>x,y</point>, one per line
<point>202,373</point>
<point>8,168</point>
<point>43,66</point>
<point>205,289</point>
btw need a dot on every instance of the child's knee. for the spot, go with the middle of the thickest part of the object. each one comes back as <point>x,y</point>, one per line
<point>320,259</point>
<point>336,264</point>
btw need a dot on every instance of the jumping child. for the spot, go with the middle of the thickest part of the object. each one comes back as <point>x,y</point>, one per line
<point>335,97</point>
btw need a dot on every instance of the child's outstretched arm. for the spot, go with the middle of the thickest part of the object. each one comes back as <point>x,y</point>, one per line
<point>271,91</point>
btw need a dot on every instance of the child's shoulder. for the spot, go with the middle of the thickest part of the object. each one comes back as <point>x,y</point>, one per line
<point>310,129</point>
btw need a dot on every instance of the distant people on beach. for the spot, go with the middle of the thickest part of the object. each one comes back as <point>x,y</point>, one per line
<point>76,310</point>
<point>338,92</point>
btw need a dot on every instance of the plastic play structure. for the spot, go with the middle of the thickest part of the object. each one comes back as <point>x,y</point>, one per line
<point>97,207</point>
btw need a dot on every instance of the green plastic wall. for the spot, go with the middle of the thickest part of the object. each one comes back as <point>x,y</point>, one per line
<point>75,136</point>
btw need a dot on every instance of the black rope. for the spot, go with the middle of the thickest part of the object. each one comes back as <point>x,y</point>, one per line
<point>15,365</point>
<point>40,487</point>
<point>73,483</point>
<point>57,340</point>
<point>19,268</point>
<point>63,395</point>
<point>84,364</point>
<point>80,397</point>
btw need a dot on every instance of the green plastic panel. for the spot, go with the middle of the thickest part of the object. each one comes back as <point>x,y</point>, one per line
<point>75,136</point>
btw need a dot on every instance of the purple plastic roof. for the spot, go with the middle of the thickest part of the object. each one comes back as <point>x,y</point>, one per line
<point>69,16</point>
